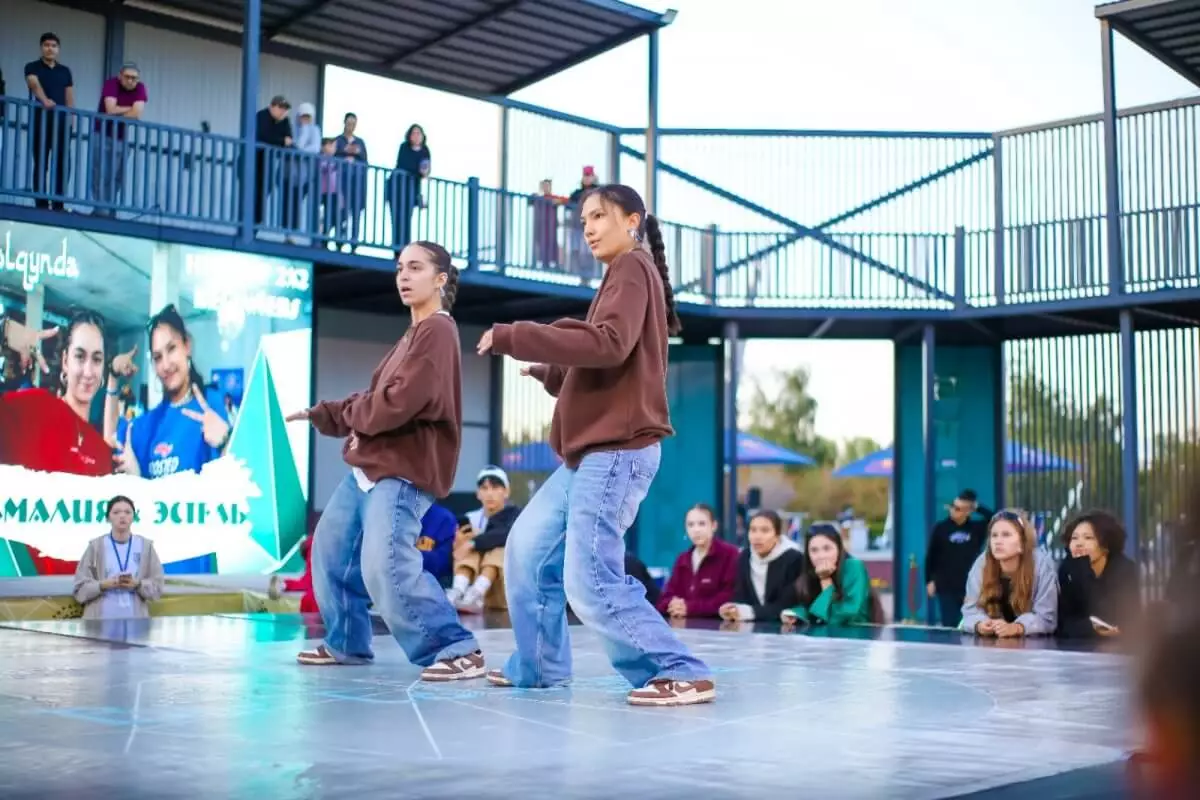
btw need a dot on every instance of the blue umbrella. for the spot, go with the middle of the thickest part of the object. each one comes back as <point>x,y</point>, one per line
<point>531,457</point>
<point>752,451</point>
<point>1018,459</point>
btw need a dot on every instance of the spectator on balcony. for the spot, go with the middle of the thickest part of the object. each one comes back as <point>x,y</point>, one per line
<point>704,575</point>
<point>273,128</point>
<point>50,84</point>
<point>1097,580</point>
<point>123,96</point>
<point>413,164</point>
<point>578,253</point>
<point>352,177</point>
<point>301,177</point>
<point>954,545</point>
<point>545,224</point>
<point>1012,589</point>
<point>329,210</point>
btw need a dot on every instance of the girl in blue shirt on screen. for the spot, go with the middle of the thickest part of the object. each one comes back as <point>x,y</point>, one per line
<point>185,431</point>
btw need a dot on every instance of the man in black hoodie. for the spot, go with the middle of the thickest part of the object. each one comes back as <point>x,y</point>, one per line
<point>954,545</point>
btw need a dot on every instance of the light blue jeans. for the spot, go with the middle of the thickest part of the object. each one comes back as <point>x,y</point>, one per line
<point>568,545</point>
<point>365,550</point>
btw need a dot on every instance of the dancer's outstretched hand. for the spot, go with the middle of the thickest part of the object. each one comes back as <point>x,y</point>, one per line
<point>485,343</point>
<point>297,416</point>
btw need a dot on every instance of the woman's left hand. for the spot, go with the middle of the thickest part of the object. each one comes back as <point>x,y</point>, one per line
<point>215,429</point>
<point>1009,630</point>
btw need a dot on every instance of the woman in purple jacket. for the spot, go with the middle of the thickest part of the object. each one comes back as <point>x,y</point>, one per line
<point>704,575</point>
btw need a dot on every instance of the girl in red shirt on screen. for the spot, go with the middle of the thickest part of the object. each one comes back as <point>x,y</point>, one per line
<point>49,429</point>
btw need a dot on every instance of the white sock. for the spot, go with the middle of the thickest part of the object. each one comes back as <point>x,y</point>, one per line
<point>461,583</point>
<point>481,586</point>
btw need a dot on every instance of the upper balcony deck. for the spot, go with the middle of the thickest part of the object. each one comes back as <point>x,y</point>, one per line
<point>873,229</point>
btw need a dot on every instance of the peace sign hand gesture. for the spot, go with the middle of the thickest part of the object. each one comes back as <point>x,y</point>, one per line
<point>215,429</point>
<point>125,460</point>
<point>27,343</point>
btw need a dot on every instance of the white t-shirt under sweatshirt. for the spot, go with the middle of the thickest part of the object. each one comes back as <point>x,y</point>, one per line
<point>758,575</point>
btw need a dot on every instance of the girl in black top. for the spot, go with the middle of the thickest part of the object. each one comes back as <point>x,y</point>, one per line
<point>1096,580</point>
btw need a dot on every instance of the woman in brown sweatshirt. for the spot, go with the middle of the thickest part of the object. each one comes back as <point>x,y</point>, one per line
<point>403,436</point>
<point>609,374</point>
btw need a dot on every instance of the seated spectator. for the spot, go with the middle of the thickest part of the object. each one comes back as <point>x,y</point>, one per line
<point>834,588</point>
<point>439,527</point>
<point>435,543</point>
<point>1097,581</point>
<point>479,547</point>
<point>635,569</point>
<point>119,574</point>
<point>767,573</point>
<point>1012,589</point>
<point>704,575</point>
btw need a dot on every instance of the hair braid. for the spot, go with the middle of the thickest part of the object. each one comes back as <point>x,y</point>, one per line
<point>658,251</point>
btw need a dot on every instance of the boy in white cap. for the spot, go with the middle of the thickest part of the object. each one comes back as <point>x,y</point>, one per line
<point>479,547</point>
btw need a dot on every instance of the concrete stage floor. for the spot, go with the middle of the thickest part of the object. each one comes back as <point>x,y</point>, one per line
<point>191,707</point>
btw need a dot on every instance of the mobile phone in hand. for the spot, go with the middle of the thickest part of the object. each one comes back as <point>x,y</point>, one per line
<point>1099,623</point>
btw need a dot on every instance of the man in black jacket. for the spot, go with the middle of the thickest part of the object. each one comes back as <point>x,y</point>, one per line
<point>479,546</point>
<point>954,545</point>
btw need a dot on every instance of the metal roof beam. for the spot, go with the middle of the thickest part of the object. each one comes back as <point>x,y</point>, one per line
<point>397,59</point>
<point>315,7</point>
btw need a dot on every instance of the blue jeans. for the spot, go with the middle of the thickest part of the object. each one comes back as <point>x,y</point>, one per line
<point>365,550</point>
<point>568,545</point>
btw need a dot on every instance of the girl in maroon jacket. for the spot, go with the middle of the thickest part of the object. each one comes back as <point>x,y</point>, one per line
<point>403,436</point>
<point>609,374</point>
<point>705,574</point>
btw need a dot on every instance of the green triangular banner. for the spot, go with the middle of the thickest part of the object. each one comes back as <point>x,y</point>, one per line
<point>260,439</point>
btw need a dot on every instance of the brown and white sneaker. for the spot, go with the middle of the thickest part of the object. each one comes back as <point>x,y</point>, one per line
<point>665,692</point>
<point>459,668</point>
<point>316,657</point>
<point>496,678</point>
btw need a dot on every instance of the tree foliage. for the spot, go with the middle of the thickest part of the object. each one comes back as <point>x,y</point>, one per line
<point>787,416</point>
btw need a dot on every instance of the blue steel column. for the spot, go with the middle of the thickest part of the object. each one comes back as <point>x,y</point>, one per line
<point>1112,165</point>
<point>496,411</point>
<point>929,446</point>
<point>251,38</point>
<point>1129,436</point>
<point>114,40</point>
<point>651,197</point>
<point>733,372</point>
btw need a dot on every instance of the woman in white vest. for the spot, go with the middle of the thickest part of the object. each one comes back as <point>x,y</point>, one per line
<point>119,574</point>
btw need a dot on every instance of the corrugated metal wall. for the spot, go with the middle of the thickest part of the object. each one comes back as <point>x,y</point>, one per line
<point>192,81</point>
<point>1064,401</point>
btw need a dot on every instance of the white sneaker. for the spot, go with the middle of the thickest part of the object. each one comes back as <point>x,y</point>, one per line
<point>471,602</point>
<point>454,596</point>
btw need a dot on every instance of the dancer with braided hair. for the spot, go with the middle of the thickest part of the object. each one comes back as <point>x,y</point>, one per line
<point>403,436</point>
<point>609,375</point>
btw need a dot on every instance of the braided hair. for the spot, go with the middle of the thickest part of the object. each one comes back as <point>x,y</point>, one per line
<point>650,231</point>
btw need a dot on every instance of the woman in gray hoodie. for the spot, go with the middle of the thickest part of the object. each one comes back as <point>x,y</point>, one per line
<point>1012,590</point>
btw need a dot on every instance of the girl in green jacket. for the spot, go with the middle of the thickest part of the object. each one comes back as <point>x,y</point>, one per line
<point>834,588</point>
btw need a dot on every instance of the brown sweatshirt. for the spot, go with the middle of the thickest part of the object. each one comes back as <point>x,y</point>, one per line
<point>608,372</point>
<point>408,423</point>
